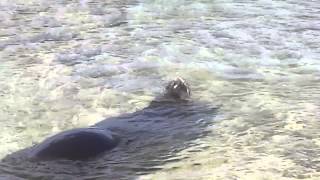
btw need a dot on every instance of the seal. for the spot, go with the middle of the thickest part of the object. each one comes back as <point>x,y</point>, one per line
<point>86,143</point>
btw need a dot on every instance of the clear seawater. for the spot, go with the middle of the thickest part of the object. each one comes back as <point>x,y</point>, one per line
<point>67,64</point>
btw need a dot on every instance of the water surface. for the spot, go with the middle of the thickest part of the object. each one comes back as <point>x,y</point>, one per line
<point>67,64</point>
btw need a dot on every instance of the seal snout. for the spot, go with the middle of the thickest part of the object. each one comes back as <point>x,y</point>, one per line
<point>178,89</point>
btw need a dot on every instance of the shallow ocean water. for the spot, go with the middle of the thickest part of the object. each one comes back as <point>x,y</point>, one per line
<point>67,64</point>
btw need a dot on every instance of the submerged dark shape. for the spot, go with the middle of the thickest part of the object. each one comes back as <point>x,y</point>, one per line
<point>85,143</point>
<point>75,144</point>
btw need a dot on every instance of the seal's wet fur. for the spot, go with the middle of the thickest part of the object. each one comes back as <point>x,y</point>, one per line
<point>75,144</point>
<point>178,89</point>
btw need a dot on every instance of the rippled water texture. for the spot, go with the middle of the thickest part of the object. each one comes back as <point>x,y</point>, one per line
<point>67,64</point>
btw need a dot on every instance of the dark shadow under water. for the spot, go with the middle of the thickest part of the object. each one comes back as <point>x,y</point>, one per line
<point>149,137</point>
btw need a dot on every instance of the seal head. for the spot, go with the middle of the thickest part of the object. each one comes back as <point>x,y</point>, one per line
<point>178,89</point>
